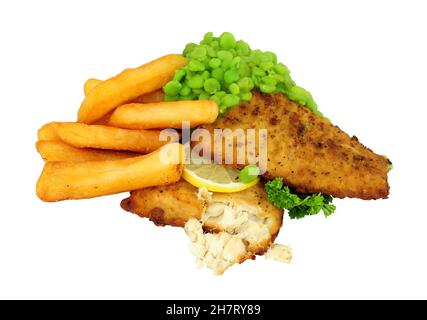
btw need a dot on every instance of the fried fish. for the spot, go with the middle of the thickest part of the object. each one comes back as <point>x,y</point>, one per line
<point>224,229</point>
<point>307,151</point>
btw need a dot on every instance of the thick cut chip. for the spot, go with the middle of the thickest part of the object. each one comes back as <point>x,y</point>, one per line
<point>82,135</point>
<point>60,151</point>
<point>127,86</point>
<point>163,115</point>
<point>79,180</point>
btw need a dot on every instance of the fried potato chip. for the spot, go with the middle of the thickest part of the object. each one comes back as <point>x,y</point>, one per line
<point>90,84</point>
<point>164,114</point>
<point>151,97</point>
<point>62,180</point>
<point>60,151</point>
<point>127,86</point>
<point>81,135</point>
<point>48,132</point>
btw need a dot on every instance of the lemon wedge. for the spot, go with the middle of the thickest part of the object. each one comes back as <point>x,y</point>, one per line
<point>215,178</point>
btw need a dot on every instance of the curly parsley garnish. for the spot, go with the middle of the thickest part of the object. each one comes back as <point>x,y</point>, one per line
<point>298,206</point>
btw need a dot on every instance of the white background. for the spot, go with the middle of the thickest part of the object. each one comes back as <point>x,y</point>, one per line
<point>363,61</point>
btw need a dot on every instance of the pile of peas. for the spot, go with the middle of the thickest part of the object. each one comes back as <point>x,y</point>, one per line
<point>225,70</point>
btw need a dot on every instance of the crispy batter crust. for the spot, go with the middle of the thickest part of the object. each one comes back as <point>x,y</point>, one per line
<point>308,152</point>
<point>175,204</point>
<point>171,205</point>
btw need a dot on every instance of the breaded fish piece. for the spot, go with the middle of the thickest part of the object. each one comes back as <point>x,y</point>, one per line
<point>224,228</point>
<point>307,151</point>
<point>176,203</point>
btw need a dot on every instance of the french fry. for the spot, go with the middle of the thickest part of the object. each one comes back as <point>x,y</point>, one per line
<point>127,86</point>
<point>79,180</point>
<point>90,84</point>
<point>164,114</point>
<point>60,151</point>
<point>151,97</point>
<point>82,135</point>
<point>48,132</point>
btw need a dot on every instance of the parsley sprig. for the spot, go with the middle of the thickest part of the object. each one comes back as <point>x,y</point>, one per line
<point>298,206</point>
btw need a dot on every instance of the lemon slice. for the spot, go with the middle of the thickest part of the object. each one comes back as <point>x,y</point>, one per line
<point>215,178</point>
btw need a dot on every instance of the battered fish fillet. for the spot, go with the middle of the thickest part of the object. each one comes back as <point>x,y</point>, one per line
<point>308,152</point>
<point>224,229</point>
<point>176,204</point>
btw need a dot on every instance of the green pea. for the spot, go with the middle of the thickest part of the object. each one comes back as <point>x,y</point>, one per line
<point>227,64</point>
<point>311,104</point>
<point>179,75</point>
<point>280,87</point>
<point>218,74</point>
<point>255,80</point>
<point>172,88</point>
<point>189,48</point>
<point>263,57</point>
<point>246,84</point>
<point>197,91</point>
<point>266,65</point>
<point>227,40</point>
<point>246,96</point>
<point>212,85</point>
<point>195,82</point>
<point>242,48</point>
<point>185,98</point>
<point>258,72</point>
<point>198,53</point>
<point>224,55</point>
<point>299,94</point>
<point>289,83</point>
<point>206,75</point>
<point>185,90</point>
<point>216,99</point>
<point>231,75</point>
<point>280,68</point>
<point>204,96</point>
<point>230,100</point>
<point>267,88</point>
<point>214,63</point>
<point>211,51</point>
<point>256,53</point>
<point>272,56</point>
<point>191,96</point>
<point>214,44</point>
<point>249,173</point>
<point>208,37</point>
<point>279,78</point>
<point>253,60</point>
<point>234,89</point>
<point>235,63</point>
<point>245,70</point>
<point>269,80</point>
<point>195,65</point>
<point>221,94</point>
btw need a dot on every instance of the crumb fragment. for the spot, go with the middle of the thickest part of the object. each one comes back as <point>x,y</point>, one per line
<point>279,253</point>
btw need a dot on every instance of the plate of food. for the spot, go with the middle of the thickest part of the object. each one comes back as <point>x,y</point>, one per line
<point>219,141</point>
